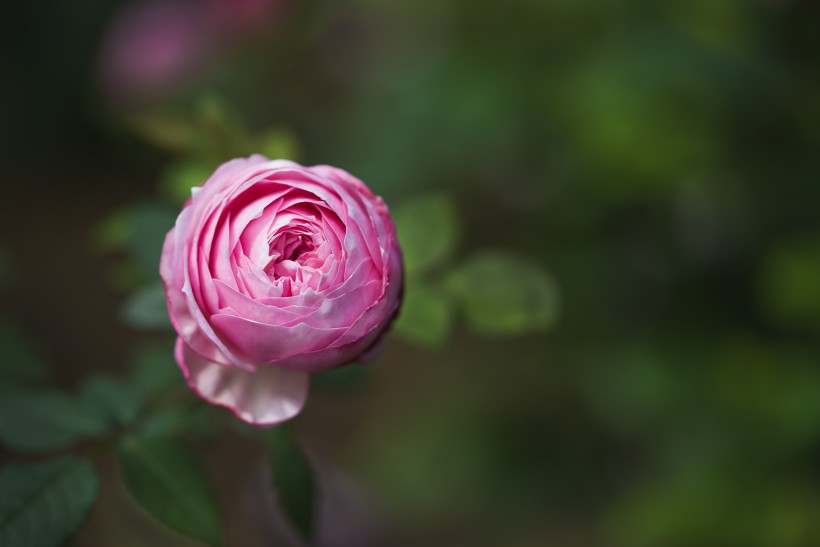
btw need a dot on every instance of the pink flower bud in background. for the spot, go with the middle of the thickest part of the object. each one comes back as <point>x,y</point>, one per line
<point>152,48</point>
<point>274,271</point>
<point>240,16</point>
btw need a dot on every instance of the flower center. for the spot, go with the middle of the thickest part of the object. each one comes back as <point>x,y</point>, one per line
<point>292,252</point>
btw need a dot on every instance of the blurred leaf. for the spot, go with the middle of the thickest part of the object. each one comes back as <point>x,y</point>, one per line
<point>713,504</point>
<point>210,127</point>
<point>170,483</point>
<point>124,276</point>
<point>165,423</point>
<point>773,389</point>
<point>147,309</point>
<point>428,229</point>
<point>787,284</point>
<point>219,120</point>
<point>46,420</point>
<point>168,131</point>
<point>5,269</point>
<point>640,113</point>
<point>150,224</point>
<point>434,459</point>
<point>278,143</point>
<point>673,511</point>
<point>723,25</point>
<point>42,504</point>
<point>112,398</point>
<point>350,375</point>
<point>154,369</point>
<point>292,479</point>
<point>19,360</point>
<point>113,232</point>
<point>635,386</point>
<point>502,294</point>
<point>179,178</point>
<point>426,316</point>
<point>140,231</point>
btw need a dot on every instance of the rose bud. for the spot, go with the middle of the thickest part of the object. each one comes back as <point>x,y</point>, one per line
<point>274,271</point>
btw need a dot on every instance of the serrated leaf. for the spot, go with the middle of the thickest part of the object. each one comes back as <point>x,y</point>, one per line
<point>427,228</point>
<point>426,317</point>
<point>169,483</point>
<point>46,420</point>
<point>20,361</point>
<point>502,294</point>
<point>147,309</point>
<point>42,504</point>
<point>292,479</point>
<point>115,399</point>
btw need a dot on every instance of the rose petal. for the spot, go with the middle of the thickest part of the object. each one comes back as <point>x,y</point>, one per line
<point>267,397</point>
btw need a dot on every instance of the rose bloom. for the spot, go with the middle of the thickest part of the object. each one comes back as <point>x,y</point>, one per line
<point>274,271</point>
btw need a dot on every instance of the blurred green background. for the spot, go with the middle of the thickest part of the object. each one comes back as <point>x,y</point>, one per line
<point>610,215</point>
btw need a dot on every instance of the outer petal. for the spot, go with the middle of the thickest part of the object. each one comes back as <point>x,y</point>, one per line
<point>265,398</point>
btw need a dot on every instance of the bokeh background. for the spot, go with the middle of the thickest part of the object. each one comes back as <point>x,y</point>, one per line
<point>610,210</point>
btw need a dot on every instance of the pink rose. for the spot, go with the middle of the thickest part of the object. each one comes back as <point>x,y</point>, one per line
<point>273,271</point>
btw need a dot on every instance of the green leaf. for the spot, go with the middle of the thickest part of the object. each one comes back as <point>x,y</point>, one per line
<point>502,294</point>
<point>428,228</point>
<point>278,143</point>
<point>168,422</point>
<point>20,361</point>
<point>787,284</point>
<point>426,317</point>
<point>178,179</point>
<point>140,231</point>
<point>170,483</point>
<point>154,369</point>
<point>149,225</point>
<point>46,420</point>
<point>219,120</point>
<point>113,232</point>
<point>42,504</point>
<point>292,479</point>
<point>115,399</point>
<point>626,125</point>
<point>350,375</point>
<point>147,309</point>
<point>168,131</point>
<point>6,270</point>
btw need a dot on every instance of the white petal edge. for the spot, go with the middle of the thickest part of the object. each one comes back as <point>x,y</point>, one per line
<point>265,398</point>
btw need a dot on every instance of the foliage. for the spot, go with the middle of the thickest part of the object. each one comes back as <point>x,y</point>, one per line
<point>43,503</point>
<point>609,216</point>
<point>168,481</point>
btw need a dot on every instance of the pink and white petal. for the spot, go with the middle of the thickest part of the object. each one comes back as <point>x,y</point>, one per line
<point>332,357</point>
<point>265,343</point>
<point>267,397</point>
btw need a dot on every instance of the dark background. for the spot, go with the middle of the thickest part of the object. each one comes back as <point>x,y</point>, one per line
<point>655,164</point>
